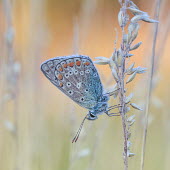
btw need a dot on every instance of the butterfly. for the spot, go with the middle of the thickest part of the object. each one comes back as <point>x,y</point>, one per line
<point>77,77</point>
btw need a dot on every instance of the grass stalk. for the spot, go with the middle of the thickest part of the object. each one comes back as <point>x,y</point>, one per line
<point>157,9</point>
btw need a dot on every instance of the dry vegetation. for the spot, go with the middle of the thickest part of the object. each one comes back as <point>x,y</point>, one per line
<point>36,128</point>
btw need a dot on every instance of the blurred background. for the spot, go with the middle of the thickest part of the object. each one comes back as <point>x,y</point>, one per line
<point>38,122</point>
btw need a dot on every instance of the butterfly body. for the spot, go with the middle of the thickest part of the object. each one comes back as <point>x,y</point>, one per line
<point>77,77</point>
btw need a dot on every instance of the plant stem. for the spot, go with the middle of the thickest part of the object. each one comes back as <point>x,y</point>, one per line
<point>122,110</point>
<point>150,84</point>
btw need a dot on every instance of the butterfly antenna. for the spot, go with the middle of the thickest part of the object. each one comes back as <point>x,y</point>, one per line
<point>79,130</point>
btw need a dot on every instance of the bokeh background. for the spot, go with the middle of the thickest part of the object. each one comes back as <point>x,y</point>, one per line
<point>38,122</point>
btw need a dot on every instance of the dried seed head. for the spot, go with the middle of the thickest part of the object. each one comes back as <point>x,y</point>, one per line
<point>114,73</point>
<point>135,46</point>
<point>120,18</point>
<point>128,70</point>
<point>132,5</point>
<point>125,38</point>
<point>102,60</point>
<point>129,144</point>
<point>131,154</point>
<point>131,71</point>
<point>132,31</point>
<point>131,118</point>
<point>129,55</point>
<point>119,57</point>
<point>113,65</point>
<point>140,70</point>
<point>128,99</point>
<point>131,77</point>
<point>135,106</point>
<point>130,123</point>
<point>113,56</point>
<point>127,109</point>
<point>150,20</point>
<point>135,33</point>
<point>128,135</point>
<point>137,18</point>
<point>136,11</point>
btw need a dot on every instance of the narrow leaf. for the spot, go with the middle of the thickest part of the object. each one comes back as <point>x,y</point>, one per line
<point>131,77</point>
<point>128,99</point>
<point>135,106</point>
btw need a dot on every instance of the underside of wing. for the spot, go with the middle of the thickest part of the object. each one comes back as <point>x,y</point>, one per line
<point>77,77</point>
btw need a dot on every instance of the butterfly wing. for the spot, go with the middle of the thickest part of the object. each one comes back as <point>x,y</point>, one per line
<point>77,77</point>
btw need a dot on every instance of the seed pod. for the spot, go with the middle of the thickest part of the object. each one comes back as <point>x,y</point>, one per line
<point>131,122</point>
<point>113,56</point>
<point>132,31</point>
<point>102,60</point>
<point>131,77</point>
<point>113,65</point>
<point>115,87</point>
<point>128,99</point>
<point>131,118</point>
<point>135,106</point>
<point>129,55</point>
<point>114,73</point>
<point>130,68</point>
<point>127,109</point>
<point>132,5</point>
<point>129,144</point>
<point>131,154</point>
<point>140,70</point>
<point>135,46</point>
<point>128,135</point>
<point>137,18</point>
<point>120,18</point>
<point>131,71</point>
<point>135,33</point>
<point>137,11</point>
<point>119,57</point>
<point>125,38</point>
<point>150,20</point>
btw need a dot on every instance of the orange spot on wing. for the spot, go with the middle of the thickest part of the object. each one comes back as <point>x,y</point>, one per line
<point>86,63</point>
<point>78,63</point>
<point>60,77</point>
<point>60,69</point>
<point>65,65</point>
<point>71,64</point>
<point>61,84</point>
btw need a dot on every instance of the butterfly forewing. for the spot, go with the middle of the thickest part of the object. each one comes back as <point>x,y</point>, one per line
<point>77,77</point>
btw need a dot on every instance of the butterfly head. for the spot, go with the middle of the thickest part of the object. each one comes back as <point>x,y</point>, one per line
<point>100,108</point>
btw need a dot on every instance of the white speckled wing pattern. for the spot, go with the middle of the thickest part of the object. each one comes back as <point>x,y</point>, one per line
<point>77,77</point>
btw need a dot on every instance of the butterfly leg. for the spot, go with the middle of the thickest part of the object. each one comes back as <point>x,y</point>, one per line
<point>114,107</point>
<point>113,114</point>
<point>112,93</point>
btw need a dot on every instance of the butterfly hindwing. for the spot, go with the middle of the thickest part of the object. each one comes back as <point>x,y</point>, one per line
<point>77,77</point>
